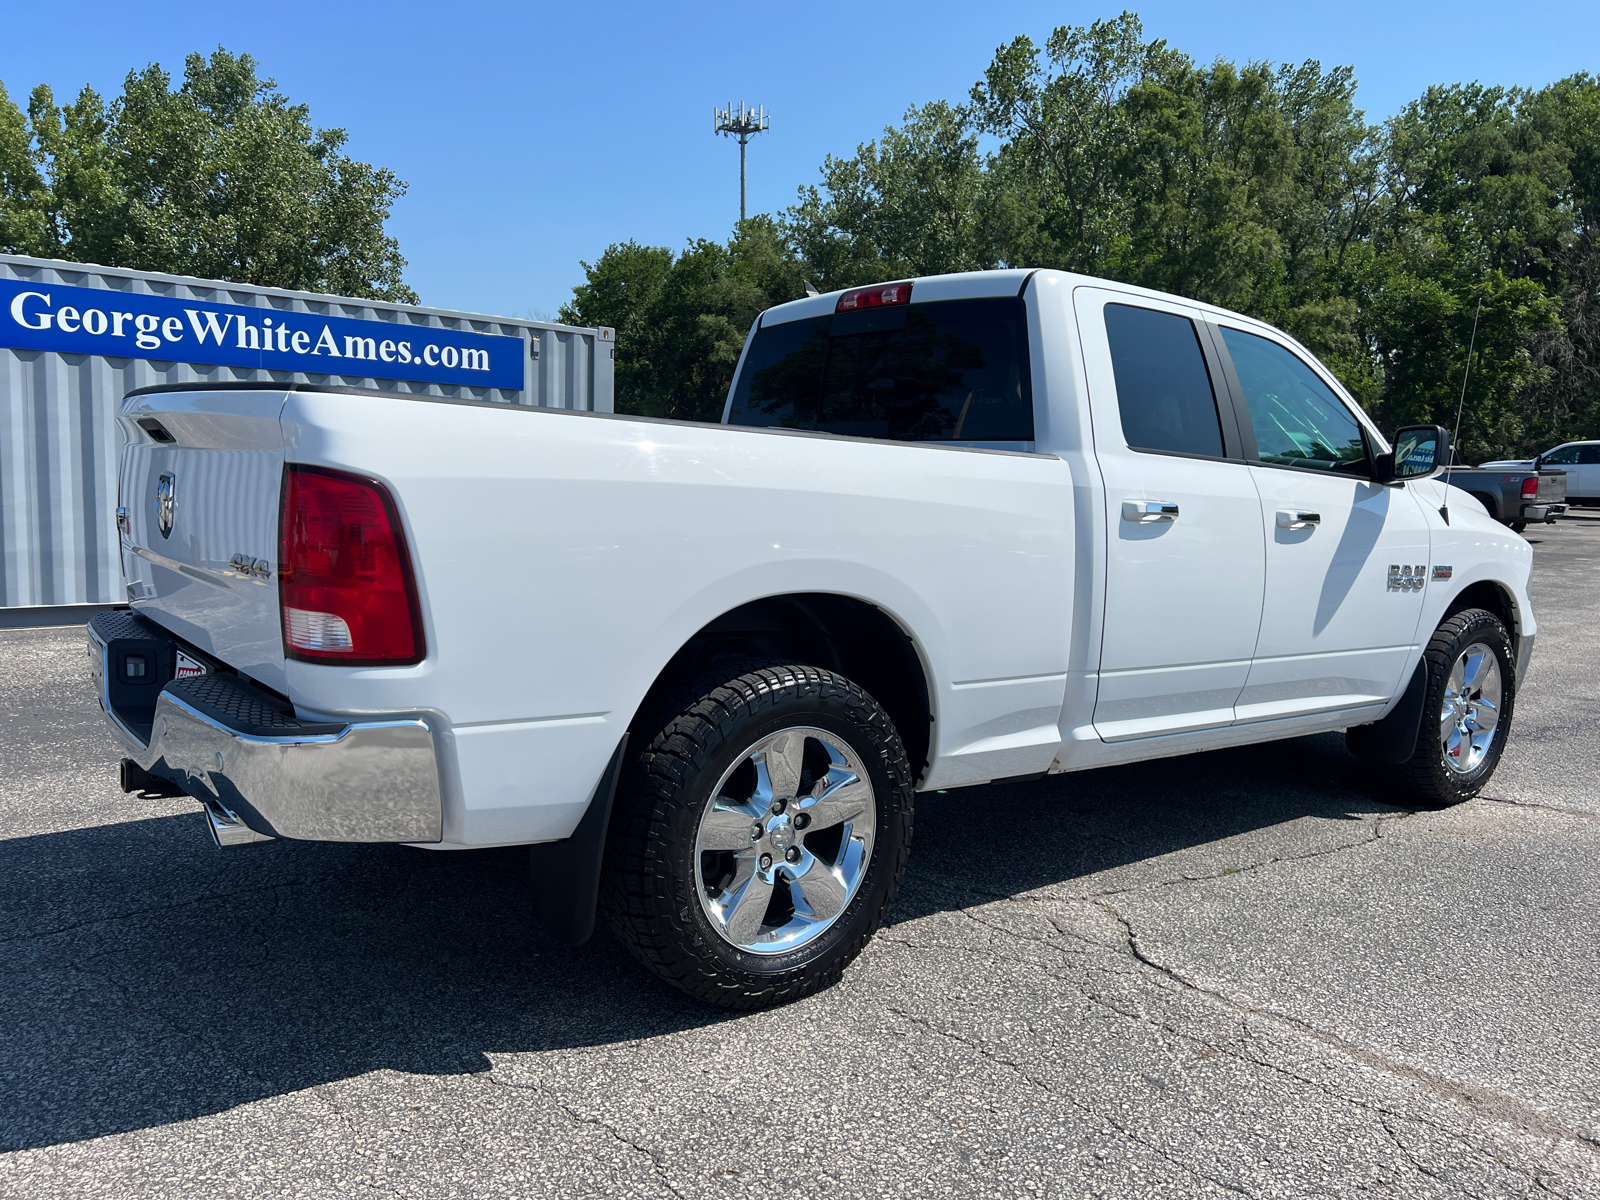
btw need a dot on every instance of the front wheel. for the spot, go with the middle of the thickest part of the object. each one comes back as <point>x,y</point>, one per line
<point>760,836</point>
<point>1466,712</point>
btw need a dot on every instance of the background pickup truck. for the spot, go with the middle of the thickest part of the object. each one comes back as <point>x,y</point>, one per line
<point>952,530</point>
<point>1514,495</point>
<point>1580,460</point>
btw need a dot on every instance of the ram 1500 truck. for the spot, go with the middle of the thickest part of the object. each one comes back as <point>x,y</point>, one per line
<point>952,530</point>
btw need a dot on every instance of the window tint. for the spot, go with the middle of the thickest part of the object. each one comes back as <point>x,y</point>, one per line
<point>1298,420</point>
<point>1562,456</point>
<point>781,375</point>
<point>952,370</point>
<point>1588,456</point>
<point>1163,387</point>
<point>955,370</point>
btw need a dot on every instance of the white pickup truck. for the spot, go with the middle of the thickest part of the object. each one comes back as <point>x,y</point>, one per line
<point>952,530</point>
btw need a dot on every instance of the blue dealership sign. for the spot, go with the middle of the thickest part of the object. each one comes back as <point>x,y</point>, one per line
<point>77,320</point>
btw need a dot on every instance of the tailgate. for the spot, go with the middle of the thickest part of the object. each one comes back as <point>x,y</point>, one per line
<point>1552,486</point>
<point>199,483</point>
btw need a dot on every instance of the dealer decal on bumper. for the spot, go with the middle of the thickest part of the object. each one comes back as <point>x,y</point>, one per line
<point>187,667</point>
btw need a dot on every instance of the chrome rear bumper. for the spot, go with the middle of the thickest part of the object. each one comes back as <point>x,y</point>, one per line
<point>260,771</point>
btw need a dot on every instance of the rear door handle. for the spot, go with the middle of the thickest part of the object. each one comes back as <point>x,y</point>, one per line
<point>1297,518</point>
<point>1147,511</point>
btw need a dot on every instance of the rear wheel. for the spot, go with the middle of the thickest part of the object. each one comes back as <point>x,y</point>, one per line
<point>1517,526</point>
<point>1466,712</point>
<point>760,836</point>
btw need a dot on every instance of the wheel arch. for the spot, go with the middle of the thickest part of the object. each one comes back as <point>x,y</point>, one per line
<point>1494,597</point>
<point>840,633</point>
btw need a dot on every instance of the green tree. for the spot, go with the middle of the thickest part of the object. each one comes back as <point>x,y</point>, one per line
<point>681,319</point>
<point>910,204</point>
<point>1258,187</point>
<point>221,177</point>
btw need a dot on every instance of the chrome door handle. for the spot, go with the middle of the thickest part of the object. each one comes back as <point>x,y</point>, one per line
<point>1295,518</point>
<point>1146,511</point>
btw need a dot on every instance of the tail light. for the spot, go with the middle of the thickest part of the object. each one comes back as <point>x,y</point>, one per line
<point>345,588</point>
<point>878,296</point>
<point>1530,488</point>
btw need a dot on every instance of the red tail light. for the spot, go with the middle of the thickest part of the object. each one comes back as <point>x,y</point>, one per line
<point>878,296</point>
<point>1530,488</point>
<point>345,589</point>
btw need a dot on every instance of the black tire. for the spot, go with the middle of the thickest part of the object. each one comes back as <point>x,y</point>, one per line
<point>1427,775</point>
<point>649,888</point>
<point>1517,526</point>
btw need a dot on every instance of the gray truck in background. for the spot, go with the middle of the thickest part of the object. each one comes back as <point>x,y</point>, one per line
<point>1515,496</point>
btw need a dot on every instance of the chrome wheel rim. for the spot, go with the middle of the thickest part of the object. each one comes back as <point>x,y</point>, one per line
<point>1471,711</point>
<point>784,841</point>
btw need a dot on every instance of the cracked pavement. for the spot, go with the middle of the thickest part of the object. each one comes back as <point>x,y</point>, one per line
<point>1236,974</point>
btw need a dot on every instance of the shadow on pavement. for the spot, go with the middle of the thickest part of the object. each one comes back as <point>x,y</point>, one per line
<point>149,979</point>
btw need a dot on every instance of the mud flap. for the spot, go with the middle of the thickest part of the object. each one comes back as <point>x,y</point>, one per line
<point>566,874</point>
<point>1393,740</point>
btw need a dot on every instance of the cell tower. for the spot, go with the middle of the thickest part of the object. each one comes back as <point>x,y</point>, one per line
<point>742,123</point>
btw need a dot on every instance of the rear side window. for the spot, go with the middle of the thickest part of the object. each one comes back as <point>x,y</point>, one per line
<point>1298,420</point>
<point>951,370</point>
<point>1588,456</point>
<point>1163,387</point>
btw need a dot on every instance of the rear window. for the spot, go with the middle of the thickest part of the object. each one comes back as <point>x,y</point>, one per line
<point>952,370</point>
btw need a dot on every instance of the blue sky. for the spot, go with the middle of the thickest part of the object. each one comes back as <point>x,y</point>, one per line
<point>533,135</point>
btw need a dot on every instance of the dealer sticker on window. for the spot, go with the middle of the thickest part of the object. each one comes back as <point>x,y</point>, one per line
<point>188,667</point>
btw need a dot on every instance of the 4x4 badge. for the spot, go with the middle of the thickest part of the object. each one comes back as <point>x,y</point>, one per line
<point>165,504</point>
<point>244,565</point>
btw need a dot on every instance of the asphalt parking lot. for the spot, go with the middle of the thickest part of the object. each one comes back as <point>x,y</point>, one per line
<point>1241,973</point>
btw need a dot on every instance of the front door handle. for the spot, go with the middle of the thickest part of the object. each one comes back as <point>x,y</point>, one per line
<point>1146,511</point>
<point>1297,518</point>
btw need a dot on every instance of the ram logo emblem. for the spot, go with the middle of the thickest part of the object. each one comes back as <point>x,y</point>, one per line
<point>166,504</point>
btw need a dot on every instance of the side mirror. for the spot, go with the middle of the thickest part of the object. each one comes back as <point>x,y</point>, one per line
<point>1420,452</point>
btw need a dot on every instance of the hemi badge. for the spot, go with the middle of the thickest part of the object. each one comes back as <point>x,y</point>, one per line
<point>1443,572</point>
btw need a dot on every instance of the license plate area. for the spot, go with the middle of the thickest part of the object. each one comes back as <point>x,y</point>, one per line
<point>140,660</point>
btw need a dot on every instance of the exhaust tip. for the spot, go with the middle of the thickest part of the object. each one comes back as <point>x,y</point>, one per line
<point>227,829</point>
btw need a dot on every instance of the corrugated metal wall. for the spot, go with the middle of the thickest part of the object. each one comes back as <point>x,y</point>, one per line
<point>59,439</point>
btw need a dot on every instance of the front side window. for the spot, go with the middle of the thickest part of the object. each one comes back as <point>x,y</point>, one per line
<point>1298,420</point>
<point>1163,387</point>
<point>1562,456</point>
<point>943,371</point>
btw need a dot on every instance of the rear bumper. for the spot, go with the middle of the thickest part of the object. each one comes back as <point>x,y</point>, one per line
<point>1535,512</point>
<point>261,771</point>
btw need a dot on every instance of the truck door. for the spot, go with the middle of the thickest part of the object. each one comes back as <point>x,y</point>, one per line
<point>1347,559</point>
<point>1587,484</point>
<point>1185,560</point>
